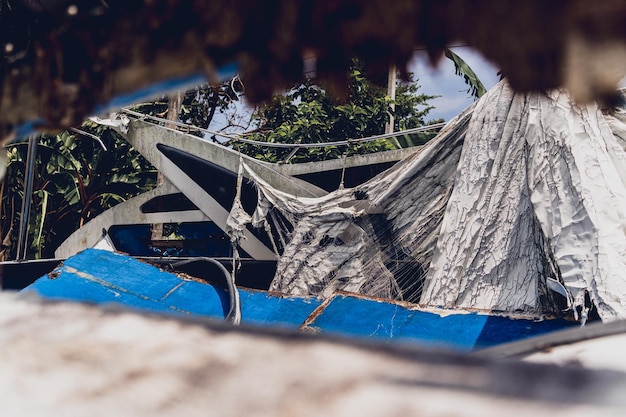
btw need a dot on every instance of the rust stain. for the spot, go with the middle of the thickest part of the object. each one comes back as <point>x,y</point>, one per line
<point>315,314</point>
<point>54,274</point>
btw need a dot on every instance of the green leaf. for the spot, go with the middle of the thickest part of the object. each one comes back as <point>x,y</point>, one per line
<point>476,87</point>
<point>40,221</point>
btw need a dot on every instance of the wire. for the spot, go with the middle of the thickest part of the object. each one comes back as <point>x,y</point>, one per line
<point>233,138</point>
<point>234,311</point>
<point>89,135</point>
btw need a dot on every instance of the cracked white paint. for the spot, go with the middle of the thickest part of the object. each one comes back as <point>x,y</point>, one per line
<point>532,187</point>
<point>536,170</point>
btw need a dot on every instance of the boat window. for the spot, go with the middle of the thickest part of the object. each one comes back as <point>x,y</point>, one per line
<point>177,239</point>
<point>166,203</point>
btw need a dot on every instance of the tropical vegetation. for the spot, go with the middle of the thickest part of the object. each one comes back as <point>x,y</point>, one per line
<point>307,113</point>
<point>75,181</point>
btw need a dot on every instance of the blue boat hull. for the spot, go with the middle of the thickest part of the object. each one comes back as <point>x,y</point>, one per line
<point>98,276</point>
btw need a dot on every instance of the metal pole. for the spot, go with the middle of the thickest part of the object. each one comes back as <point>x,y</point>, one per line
<point>391,92</point>
<point>27,198</point>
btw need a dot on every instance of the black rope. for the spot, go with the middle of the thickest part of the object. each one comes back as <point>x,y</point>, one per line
<point>234,311</point>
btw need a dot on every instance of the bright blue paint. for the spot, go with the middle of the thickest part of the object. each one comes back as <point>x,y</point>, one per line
<point>199,299</point>
<point>124,272</point>
<point>259,307</point>
<point>70,286</point>
<point>105,277</point>
<point>371,318</point>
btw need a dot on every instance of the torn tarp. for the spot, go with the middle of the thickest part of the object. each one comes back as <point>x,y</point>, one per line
<point>518,189</point>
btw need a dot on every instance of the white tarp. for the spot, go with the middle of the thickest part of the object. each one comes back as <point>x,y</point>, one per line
<point>518,189</point>
<point>534,157</point>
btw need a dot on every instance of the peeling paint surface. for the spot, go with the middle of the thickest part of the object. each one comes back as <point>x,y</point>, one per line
<point>102,277</point>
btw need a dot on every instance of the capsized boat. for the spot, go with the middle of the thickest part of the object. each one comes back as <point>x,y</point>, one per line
<point>101,276</point>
